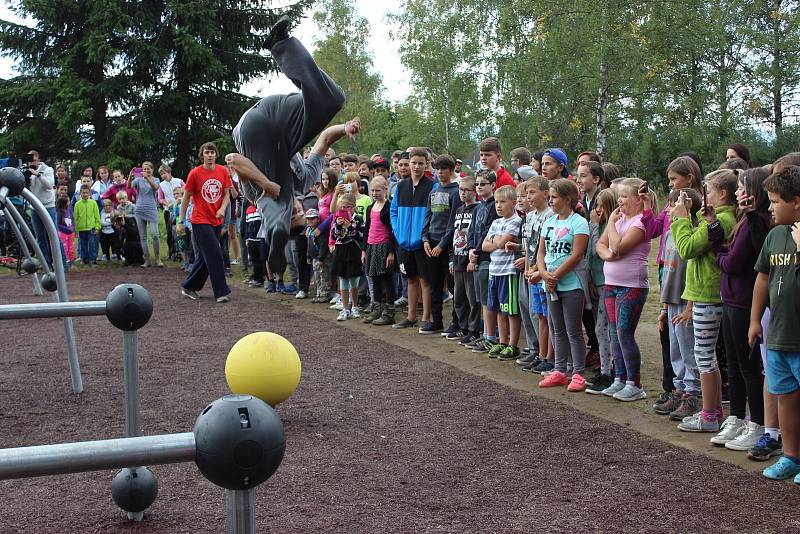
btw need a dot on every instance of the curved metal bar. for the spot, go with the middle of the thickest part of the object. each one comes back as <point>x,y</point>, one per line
<point>61,290</point>
<point>24,228</point>
<point>37,285</point>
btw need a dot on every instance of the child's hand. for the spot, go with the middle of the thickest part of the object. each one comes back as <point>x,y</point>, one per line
<point>220,213</point>
<point>436,251</point>
<point>679,210</point>
<point>94,231</point>
<point>180,229</point>
<point>536,277</point>
<point>662,321</point>
<point>754,333</point>
<point>519,263</point>
<point>390,260</point>
<point>746,203</point>
<point>511,246</point>
<point>646,196</point>
<point>330,248</point>
<point>316,232</point>
<point>614,217</point>
<point>363,258</point>
<point>796,235</point>
<point>470,267</point>
<point>427,247</point>
<point>709,214</point>
<point>683,318</point>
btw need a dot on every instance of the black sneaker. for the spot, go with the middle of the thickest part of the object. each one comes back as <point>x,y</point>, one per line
<point>452,329</point>
<point>466,339</point>
<point>596,376</point>
<point>428,327</point>
<point>474,343</point>
<point>405,323</point>
<point>531,366</point>
<point>766,448</point>
<point>279,32</point>
<point>455,336</point>
<point>543,367</point>
<point>599,384</point>
<point>525,359</point>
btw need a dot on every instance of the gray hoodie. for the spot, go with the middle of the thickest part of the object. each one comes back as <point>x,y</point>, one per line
<point>442,203</point>
<point>42,186</point>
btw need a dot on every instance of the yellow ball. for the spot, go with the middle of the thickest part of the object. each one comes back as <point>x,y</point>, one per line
<point>264,365</point>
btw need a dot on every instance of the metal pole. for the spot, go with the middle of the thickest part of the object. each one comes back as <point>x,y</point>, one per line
<point>53,310</point>
<point>37,286</point>
<point>130,364</point>
<point>42,460</point>
<point>240,511</point>
<point>61,290</point>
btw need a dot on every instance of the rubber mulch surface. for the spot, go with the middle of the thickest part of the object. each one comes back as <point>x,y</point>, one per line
<point>378,439</point>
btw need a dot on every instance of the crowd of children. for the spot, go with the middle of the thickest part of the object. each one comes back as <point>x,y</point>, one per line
<point>545,268</point>
<point>551,270</point>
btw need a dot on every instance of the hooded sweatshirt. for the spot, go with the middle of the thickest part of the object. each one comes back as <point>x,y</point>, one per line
<point>442,203</point>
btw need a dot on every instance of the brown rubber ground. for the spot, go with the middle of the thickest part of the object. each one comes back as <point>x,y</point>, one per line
<point>379,438</point>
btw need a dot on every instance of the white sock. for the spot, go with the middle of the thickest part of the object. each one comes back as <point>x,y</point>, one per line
<point>775,433</point>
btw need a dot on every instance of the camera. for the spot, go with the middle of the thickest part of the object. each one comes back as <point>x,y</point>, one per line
<point>22,163</point>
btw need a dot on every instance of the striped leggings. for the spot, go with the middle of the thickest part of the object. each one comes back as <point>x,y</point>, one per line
<point>706,318</point>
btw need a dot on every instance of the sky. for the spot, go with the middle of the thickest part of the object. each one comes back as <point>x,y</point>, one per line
<point>385,52</point>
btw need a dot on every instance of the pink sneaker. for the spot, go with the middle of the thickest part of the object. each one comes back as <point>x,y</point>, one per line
<point>556,378</point>
<point>578,383</point>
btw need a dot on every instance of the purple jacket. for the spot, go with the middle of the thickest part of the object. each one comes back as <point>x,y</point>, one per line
<point>657,226</point>
<point>737,262</point>
<point>61,221</point>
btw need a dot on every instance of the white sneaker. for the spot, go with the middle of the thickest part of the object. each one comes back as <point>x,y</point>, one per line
<point>402,301</point>
<point>729,430</point>
<point>614,388</point>
<point>630,393</point>
<point>747,439</point>
<point>336,305</point>
<point>355,312</point>
<point>301,294</point>
<point>335,299</point>
<point>343,315</point>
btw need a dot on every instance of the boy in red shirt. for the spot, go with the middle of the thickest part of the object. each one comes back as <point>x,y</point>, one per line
<point>209,186</point>
<point>491,153</point>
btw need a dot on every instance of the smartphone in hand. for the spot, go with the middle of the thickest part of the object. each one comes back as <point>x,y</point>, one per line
<point>747,193</point>
<point>705,195</point>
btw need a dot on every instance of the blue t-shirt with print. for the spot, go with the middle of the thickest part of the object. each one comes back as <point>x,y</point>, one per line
<point>559,236</point>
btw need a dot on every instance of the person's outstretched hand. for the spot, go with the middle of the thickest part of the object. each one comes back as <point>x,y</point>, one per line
<point>352,127</point>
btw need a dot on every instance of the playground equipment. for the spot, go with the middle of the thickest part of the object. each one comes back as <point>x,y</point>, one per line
<point>264,365</point>
<point>237,443</point>
<point>12,183</point>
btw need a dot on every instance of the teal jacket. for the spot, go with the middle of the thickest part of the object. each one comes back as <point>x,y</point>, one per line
<point>703,277</point>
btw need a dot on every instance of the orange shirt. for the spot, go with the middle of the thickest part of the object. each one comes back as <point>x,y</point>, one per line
<point>207,188</point>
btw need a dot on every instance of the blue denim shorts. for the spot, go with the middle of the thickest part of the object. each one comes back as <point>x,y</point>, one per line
<point>783,371</point>
<point>538,300</point>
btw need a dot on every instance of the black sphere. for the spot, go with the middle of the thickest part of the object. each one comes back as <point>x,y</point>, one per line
<point>30,265</point>
<point>13,179</point>
<point>240,442</point>
<point>49,282</point>
<point>129,306</point>
<point>134,490</point>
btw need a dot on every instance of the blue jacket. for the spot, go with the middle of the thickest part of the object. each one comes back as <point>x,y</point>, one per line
<point>409,207</point>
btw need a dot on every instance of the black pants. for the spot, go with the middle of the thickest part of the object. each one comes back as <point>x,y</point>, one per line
<point>258,259</point>
<point>439,270</point>
<point>107,243</point>
<point>667,374</point>
<point>224,240</point>
<point>383,286</point>
<point>277,127</point>
<point>303,268</point>
<point>170,229</point>
<point>208,262</point>
<point>745,381</point>
<point>589,326</point>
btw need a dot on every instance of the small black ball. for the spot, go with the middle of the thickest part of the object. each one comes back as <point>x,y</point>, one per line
<point>240,442</point>
<point>134,490</point>
<point>49,282</point>
<point>30,265</point>
<point>129,306</point>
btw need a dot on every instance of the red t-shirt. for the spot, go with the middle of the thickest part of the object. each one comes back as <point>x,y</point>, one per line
<point>503,178</point>
<point>207,188</point>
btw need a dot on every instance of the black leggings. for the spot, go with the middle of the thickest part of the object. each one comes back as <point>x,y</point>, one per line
<point>745,381</point>
<point>384,286</point>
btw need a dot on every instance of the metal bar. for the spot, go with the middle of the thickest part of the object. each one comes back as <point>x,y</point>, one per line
<point>22,226</point>
<point>43,460</point>
<point>240,511</point>
<point>130,365</point>
<point>61,290</point>
<point>54,309</point>
<point>37,286</point>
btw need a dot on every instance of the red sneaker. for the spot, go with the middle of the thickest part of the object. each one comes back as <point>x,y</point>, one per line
<point>578,383</point>
<point>554,379</point>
